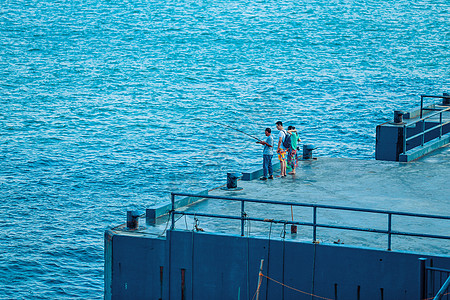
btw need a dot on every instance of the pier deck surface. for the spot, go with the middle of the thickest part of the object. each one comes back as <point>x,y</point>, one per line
<point>418,187</point>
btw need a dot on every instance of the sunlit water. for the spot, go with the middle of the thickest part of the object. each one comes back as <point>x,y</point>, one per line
<point>104,107</point>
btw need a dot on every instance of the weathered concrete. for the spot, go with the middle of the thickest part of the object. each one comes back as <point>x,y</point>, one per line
<point>427,148</point>
<point>258,172</point>
<point>417,187</point>
<point>219,264</point>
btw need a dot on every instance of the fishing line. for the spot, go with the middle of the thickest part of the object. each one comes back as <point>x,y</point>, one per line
<point>253,137</point>
<point>231,127</point>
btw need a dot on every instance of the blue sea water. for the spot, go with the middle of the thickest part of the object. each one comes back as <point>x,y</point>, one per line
<point>105,107</point>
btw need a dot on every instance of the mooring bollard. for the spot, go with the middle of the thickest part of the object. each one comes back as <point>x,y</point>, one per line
<point>398,116</point>
<point>446,99</point>
<point>308,151</point>
<point>132,219</point>
<point>232,180</point>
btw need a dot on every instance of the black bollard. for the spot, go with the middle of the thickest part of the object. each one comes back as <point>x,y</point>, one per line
<point>308,151</point>
<point>232,180</point>
<point>398,116</point>
<point>446,99</point>
<point>132,219</point>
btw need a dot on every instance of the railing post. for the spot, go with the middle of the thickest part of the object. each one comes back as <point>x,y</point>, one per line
<point>421,105</point>
<point>404,139</point>
<point>422,279</point>
<point>172,211</point>
<point>242,218</point>
<point>440,122</point>
<point>389,231</point>
<point>314,223</point>
<point>423,132</point>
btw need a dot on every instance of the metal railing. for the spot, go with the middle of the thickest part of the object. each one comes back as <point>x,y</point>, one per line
<point>434,282</point>
<point>314,224</point>
<point>429,96</point>
<point>442,290</point>
<point>422,120</point>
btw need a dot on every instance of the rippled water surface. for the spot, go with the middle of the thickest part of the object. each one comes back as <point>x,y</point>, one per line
<point>103,107</point>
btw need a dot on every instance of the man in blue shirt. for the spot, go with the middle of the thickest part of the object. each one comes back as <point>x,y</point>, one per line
<point>267,155</point>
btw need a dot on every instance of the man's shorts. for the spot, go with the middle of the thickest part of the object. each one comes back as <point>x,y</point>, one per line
<point>282,155</point>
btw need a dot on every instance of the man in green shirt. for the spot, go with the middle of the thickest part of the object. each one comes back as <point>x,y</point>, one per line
<point>292,160</point>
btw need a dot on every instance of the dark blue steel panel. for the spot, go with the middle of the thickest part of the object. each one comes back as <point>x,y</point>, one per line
<point>387,142</point>
<point>343,269</point>
<point>273,268</point>
<point>216,268</point>
<point>299,269</point>
<point>136,267</point>
<point>220,268</point>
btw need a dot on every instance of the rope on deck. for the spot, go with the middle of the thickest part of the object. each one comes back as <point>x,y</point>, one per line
<point>431,298</point>
<point>290,287</point>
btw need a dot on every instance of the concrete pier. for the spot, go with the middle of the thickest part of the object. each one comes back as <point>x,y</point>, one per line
<point>412,135</point>
<point>205,258</point>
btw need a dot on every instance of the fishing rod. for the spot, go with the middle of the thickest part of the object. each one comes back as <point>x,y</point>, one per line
<point>253,137</point>
<point>228,126</point>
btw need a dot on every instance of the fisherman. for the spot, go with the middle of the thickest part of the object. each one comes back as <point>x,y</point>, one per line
<point>267,154</point>
<point>292,160</point>
<point>281,150</point>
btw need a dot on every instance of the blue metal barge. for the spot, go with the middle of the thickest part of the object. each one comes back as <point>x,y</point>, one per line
<point>339,229</point>
<point>414,134</point>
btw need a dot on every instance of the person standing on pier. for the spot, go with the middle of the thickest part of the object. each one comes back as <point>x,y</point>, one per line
<point>281,150</point>
<point>267,155</point>
<point>292,160</point>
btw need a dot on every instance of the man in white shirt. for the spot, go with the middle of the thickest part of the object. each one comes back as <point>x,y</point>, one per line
<point>281,150</point>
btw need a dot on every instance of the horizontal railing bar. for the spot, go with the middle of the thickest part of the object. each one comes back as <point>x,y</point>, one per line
<point>316,205</point>
<point>246,218</point>
<point>437,269</point>
<point>418,135</point>
<point>317,225</point>
<point>431,128</point>
<point>431,96</point>
<point>281,221</point>
<point>427,117</point>
<point>352,228</point>
<point>432,109</point>
<point>425,235</point>
<point>384,231</point>
<point>428,130</point>
<point>285,222</point>
<point>207,215</point>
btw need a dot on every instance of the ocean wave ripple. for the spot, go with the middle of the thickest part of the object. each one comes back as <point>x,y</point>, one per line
<point>106,107</point>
